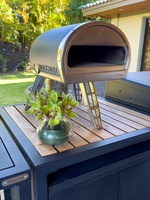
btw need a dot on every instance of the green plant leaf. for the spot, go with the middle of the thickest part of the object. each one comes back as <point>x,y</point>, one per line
<point>39,116</point>
<point>53,122</point>
<point>64,102</point>
<point>69,96</point>
<point>57,109</point>
<point>31,110</point>
<point>45,109</point>
<point>71,114</point>
<point>59,103</point>
<point>58,116</point>
<point>73,103</point>
<point>51,106</point>
<point>52,113</point>
<point>38,100</point>
<point>42,98</point>
<point>54,98</point>
<point>33,104</point>
<point>44,92</point>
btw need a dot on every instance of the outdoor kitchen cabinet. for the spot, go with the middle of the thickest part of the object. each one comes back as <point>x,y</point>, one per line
<point>135,182</point>
<point>93,189</point>
<point>119,175</point>
<point>88,167</point>
<point>15,173</point>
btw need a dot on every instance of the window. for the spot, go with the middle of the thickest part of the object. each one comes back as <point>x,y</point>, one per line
<point>146,48</point>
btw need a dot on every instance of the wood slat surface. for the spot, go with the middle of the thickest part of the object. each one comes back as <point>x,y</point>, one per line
<point>116,120</point>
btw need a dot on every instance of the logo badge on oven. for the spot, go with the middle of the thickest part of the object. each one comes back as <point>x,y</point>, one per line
<point>48,69</point>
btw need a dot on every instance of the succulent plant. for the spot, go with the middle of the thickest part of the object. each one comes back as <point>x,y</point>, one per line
<point>52,104</point>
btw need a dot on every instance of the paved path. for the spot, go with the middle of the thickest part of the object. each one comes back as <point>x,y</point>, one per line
<point>99,87</point>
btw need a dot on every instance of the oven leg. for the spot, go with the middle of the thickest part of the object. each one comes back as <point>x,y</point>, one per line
<point>38,83</point>
<point>77,92</point>
<point>91,103</point>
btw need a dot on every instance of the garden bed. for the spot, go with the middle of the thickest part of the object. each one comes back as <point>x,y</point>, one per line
<point>13,56</point>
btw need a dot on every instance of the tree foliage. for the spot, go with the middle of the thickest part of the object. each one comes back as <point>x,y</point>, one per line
<point>21,21</point>
<point>73,13</point>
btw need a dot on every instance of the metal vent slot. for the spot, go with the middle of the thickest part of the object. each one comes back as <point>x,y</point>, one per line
<point>88,56</point>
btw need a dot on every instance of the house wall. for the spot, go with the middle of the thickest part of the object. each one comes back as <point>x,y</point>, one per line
<point>133,26</point>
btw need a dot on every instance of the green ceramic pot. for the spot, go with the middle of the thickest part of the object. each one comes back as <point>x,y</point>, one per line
<point>58,134</point>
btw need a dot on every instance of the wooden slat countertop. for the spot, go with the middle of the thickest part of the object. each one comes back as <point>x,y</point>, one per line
<point>116,120</point>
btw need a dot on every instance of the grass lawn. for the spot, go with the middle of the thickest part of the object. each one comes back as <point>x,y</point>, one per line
<point>13,87</point>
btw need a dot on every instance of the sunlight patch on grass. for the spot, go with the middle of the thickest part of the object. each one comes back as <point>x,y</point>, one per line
<point>17,81</point>
<point>17,75</point>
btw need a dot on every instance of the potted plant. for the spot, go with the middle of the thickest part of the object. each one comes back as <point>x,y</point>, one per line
<point>53,108</point>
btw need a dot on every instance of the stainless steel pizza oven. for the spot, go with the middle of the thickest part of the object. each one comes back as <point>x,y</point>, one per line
<point>82,53</point>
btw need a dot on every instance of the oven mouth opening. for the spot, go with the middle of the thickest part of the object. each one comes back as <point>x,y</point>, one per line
<point>88,56</point>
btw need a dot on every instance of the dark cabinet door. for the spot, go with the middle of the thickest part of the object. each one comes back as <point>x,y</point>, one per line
<point>93,189</point>
<point>135,182</point>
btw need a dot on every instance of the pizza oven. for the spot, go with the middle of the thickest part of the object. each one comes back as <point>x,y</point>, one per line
<point>81,53</point>
<point>91,51</point>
